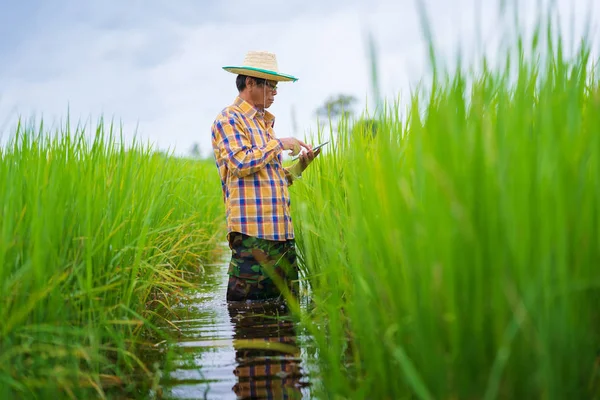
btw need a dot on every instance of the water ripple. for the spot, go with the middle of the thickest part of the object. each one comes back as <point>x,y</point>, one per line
<point>227,352</point>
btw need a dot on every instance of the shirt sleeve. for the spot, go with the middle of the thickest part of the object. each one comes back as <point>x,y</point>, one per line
<point>236,148</point>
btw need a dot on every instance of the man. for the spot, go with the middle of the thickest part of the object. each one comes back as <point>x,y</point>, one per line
<point>255,184</point>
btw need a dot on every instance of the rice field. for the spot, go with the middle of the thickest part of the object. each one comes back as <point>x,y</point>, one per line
<point>449,250</point>
<point>452,249</point>
<point>94,238</point>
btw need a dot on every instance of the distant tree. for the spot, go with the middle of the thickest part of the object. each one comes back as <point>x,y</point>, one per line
<point>195,150</point>
<point>366,127</point>
<point>337,106</point>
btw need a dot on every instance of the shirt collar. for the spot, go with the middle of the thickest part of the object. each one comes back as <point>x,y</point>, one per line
<point>250,111</point>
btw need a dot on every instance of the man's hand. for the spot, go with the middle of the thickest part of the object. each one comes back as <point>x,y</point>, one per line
<point>306,158</point>
<point>295,145</point>
<point>303,161</point>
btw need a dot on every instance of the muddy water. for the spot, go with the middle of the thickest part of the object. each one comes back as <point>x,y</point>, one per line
<point>227,351</point>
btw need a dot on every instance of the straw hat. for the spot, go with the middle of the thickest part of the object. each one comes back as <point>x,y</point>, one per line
<point>260,64</point>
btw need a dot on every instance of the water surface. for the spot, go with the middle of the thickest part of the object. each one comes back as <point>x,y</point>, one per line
<point>232,351</point>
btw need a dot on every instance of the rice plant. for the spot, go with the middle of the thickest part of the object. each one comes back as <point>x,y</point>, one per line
<point>452,249</point>
<point>94,237</point>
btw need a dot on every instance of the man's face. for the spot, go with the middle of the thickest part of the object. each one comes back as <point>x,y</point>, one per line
<point>263,95</point>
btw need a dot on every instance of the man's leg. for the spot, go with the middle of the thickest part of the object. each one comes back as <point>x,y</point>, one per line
<point>291,267</point>
<point>237,288</point>
<point>256,264</point>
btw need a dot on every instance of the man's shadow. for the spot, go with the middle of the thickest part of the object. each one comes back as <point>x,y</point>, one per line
<point>267,356</point>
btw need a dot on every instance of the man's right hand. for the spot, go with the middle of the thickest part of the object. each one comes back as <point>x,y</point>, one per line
<point>295,145</point>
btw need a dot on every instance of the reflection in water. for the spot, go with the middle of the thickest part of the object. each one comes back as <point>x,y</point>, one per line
<point>268,359</point>
<point>231,350</point>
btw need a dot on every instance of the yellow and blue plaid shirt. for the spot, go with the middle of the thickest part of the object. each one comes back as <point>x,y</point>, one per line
<point>254,182</point>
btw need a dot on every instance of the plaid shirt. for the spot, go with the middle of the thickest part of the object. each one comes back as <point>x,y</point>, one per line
<point>254,182</point>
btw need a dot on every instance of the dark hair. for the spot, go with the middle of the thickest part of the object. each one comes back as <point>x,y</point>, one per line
<point>240,81</point>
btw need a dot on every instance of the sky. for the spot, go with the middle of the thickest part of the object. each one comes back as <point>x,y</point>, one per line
<point>155,67</point>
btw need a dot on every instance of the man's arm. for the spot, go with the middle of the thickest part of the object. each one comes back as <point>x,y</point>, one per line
<point>235,146</point>
<point>295,171</point>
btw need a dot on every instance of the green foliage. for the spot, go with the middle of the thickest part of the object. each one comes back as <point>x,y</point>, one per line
<point>455,254</point>
<point>93,236</point>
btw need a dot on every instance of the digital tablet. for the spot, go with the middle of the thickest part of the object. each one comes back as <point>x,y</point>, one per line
<point>314,149</point>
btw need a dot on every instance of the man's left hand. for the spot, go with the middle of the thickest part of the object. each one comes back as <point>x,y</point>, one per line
<point>306,158</point>
<point>303,162</point>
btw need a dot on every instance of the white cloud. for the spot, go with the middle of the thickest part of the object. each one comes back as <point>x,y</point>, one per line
<point>161,67</point>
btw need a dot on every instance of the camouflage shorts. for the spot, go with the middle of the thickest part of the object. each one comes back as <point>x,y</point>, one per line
<point>257,264</point>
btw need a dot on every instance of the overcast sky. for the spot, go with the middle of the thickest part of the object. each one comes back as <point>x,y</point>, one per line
<point>156,65</point>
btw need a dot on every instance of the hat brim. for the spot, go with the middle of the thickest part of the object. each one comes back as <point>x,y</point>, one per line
<point>261,73</point>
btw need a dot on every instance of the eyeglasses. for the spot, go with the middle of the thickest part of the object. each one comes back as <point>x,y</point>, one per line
<point>272,86</point>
